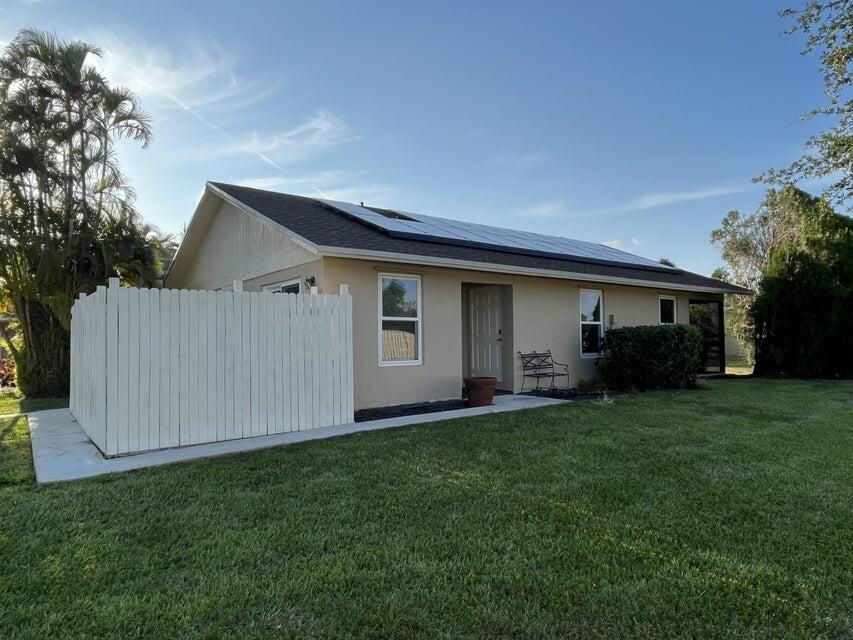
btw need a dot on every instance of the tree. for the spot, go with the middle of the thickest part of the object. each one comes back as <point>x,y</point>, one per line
<point>803,309</point>
<point>785,216</point>
<point>828,28</point>
<point>666,261</point>
<point>776,252</point>
<point>67,219</point>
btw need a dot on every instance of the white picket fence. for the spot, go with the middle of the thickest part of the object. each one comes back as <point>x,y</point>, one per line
<point>158,368</point>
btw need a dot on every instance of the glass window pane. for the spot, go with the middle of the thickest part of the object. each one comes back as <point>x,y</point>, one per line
<point>400,297</point>
<point>399,340</point>
<point>667,311</point>
<point>290,288</point>
<point>590,306</point>
<point>590,338</point>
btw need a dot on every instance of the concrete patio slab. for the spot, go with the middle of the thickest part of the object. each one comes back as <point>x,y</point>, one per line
<point>61,451</point>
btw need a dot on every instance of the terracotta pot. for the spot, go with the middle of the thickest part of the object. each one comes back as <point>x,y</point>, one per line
<point>481,391</point>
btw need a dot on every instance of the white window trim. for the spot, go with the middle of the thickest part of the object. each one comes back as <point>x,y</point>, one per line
<point>674,309</point>
<point>281,285</point>
<point>581,323</point>
<point>418,319</point>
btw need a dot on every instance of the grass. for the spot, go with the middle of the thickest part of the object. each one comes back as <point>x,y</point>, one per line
<point>718,513</point>
<point>16,464</point>
<point>738,366</point>
<point>13,402</point>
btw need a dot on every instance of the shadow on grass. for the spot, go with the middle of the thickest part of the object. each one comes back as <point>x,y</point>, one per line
<point>13,402</point>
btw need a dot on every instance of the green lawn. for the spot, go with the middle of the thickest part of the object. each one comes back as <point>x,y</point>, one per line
<point>722,512</point>
<point>12,402</point>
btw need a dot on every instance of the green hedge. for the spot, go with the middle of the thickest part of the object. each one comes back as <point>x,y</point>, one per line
<point>654,357</point>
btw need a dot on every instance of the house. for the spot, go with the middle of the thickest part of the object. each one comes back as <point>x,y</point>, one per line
<point>436,299</point>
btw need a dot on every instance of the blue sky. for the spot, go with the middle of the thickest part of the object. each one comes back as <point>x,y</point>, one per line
<point>635,124</point>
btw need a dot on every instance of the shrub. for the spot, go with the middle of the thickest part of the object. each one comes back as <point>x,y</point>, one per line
<point>653,357</point>
<point>591,386</point>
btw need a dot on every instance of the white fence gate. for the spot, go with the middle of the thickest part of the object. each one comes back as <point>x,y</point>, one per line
<point>158,368</point>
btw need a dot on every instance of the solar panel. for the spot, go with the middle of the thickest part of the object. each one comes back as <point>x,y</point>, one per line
<point>444,230</point>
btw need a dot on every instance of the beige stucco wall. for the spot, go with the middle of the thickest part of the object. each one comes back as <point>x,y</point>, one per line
<point>233,245</point>
<point>544,316</point>
<point>302,271</point>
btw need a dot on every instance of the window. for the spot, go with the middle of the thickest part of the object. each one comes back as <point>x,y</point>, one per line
<point>290,286</point>
<point>667,309</point>
<point>399,319</point>
<point>592,326</point>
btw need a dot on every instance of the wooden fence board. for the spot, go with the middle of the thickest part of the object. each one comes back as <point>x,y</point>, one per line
<point>153,369</point>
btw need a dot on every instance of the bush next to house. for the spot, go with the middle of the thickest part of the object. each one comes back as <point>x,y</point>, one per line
<point>651,357</point>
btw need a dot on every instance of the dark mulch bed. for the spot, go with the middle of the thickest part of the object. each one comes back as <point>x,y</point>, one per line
<point>380,413</point>
<point>566,394</point>
<point>399,410</point>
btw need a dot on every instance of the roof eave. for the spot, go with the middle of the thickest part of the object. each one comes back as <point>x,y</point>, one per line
<point>387,256</point>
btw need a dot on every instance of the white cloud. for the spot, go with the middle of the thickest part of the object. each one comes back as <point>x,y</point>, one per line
<point>519,163</point>
<point>201,79</point>
<point>333,185</point>
<point>322,130</point>
<point>663,198</point>
<point>547,209</point>
<point>635,242</point>
<point>615,244</point>
<point>200,73</point>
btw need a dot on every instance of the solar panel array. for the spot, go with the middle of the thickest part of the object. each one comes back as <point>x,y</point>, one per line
<point>444,230</point>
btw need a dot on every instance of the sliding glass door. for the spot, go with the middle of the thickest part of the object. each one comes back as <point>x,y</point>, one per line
<point>707,315</point>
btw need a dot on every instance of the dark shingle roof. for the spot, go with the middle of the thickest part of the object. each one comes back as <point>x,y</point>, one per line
<point>323,225</point>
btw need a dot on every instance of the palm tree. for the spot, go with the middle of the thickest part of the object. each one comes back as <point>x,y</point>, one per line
<point>121,117</point>
<point>67,216</point>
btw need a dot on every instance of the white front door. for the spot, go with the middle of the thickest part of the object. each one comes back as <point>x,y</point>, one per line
<point>486,332</point>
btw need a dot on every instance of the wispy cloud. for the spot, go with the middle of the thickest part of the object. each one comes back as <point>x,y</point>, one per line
<point>519,163</point>
<point>319,132</point>
<point>664,198</point>
<point>635,242</point>
<point>334,185</point>
<point>202,80</point>
<point>200,73</point>
<point>615,244</point>
<point>547,209</point>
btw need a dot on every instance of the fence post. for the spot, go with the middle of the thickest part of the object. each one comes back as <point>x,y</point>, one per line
<point>238,286</point>
<point>111,349</point>
<point>101,365</point>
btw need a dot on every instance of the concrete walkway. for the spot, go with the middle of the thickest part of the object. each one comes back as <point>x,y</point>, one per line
<point>61,451</point>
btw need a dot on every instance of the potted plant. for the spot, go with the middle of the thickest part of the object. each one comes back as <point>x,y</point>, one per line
<point>480,390</point>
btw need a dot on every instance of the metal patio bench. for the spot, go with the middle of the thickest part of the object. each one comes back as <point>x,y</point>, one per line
<point>541,365</point>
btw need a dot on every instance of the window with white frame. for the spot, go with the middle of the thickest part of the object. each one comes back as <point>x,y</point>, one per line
<point>288,286</point>
<point>399,319</point>
<point>592,323</point>
<point>667,309</point>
